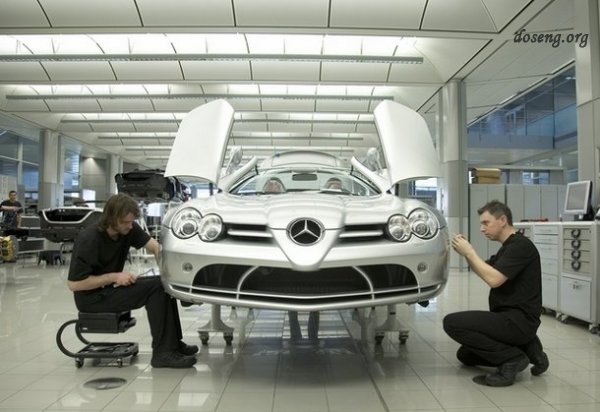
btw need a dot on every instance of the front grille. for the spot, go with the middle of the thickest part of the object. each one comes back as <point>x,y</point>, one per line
<point>360,233</point>
<point>269,284</point>
<point>349,234</point>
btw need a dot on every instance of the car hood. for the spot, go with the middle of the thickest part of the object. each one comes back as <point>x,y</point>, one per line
<point>277,211</point>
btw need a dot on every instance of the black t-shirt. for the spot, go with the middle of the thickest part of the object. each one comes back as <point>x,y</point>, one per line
<point>521,295</point>
<point>9,217</point>
<point>95,253</point>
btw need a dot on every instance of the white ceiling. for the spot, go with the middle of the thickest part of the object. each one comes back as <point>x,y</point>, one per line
<point>120,74</point>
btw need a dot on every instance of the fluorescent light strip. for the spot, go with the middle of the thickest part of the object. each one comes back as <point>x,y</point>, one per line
<point>207,96</point>
<point>210,57</point>
<point>158,121</point>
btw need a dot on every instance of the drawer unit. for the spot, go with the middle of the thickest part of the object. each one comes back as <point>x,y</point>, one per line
<point>579,289</point>
<point>577,248</point>
<point>547,240</point>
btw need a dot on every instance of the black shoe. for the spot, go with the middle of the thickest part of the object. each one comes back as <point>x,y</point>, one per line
<point>187,350</point>
<point>540,364</point>
<point>172,359</point>
<point>535,352</point>
<point>507,372</point>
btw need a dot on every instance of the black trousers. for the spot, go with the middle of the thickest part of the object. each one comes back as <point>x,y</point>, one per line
<point>493,338</point>
<point>161,308</point>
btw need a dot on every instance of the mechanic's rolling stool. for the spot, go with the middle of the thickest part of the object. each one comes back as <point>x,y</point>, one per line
<point>111,322</point>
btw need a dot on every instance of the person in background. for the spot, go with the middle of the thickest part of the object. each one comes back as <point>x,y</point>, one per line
<point>11,211</point>
<point>333,183</point>
<point>273,185</point>
<point>99,283</point>
<point>505,336</point>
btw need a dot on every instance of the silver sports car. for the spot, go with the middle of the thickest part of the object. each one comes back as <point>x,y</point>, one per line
<point>303,230</point>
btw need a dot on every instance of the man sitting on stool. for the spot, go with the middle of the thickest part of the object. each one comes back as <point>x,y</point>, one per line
<point>97,279</point>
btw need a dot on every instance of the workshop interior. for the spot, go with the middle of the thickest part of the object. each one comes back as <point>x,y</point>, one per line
<point>314,173</point>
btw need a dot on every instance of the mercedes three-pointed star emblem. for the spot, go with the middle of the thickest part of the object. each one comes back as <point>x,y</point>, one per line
<point>305,232</point>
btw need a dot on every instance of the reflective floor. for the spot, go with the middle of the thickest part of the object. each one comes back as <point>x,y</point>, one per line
<point>263,370</point>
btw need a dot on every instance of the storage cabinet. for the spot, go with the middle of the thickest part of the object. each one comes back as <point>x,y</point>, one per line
<point>579,271</point>
<point>569,257</point>
<point>546,237</point>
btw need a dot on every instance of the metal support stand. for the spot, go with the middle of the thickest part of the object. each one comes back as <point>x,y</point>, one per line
<point>216,324</point>
<point>365,322</point>
<point>391,324</point>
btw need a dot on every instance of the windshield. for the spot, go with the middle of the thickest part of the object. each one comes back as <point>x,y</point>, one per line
<point>273,182</point>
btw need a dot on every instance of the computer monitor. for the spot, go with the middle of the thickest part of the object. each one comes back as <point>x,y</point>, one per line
<point>578,200</point>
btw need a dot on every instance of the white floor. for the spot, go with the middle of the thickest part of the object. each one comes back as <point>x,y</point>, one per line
<point>264,371</point>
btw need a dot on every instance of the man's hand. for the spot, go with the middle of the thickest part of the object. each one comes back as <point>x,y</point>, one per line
<point>462,246</point>
<point>124,278</point>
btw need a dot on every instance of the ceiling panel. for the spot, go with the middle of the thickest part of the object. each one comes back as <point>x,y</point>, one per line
<point>502,11</point>
<point>153,127</point>
<point>354,72</point>
<point>91,13</point>
<point>281,13</point>
<point>245,104</point>
<point>177,105</point>
<point>79,71</point>
<point>415,73</point>
<point>448,55</point>
<point>24,105</point>
<point>22,13</point>
<point>143,71</point>
<point>288,105</point>
<point>22,71</point>
<point>126,105</point>
<point>289,127</point>
<point>230,71</point>
<point>186,13</point>
<point>457,15</point>
<point>286,71</point>
<point>340,105</point>
<point>560,14</point>
<point>111,127</point>
<point>377,13</point>
<point>70,105</point>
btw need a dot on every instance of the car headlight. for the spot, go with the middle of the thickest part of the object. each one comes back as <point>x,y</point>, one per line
<point>211,227</point>
<point>399,228</point>
<point>423,223</point>
<point>186,223</point>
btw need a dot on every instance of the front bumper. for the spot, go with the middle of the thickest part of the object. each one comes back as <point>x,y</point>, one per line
<point>259,275</point>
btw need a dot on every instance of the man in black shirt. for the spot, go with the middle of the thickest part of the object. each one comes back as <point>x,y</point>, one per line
<point>11,211</point>
<point>99,284</point>
<point>504,336</point>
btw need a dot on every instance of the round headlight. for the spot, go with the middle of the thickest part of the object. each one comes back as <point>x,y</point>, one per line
<point>211,227</point>
<point>423,223</point>
<point>186,222</point>
<point>399,228</point>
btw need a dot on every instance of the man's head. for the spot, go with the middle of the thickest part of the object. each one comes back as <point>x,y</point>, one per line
<point>12,195</point>
<point>119,214</point>
<point>333,183</point>
<point>273,185</point>
<point>496,220</point>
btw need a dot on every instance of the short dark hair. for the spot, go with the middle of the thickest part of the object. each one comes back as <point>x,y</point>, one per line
<point>11,192</point>
<point>496,208</point>
<point>117,207</point>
